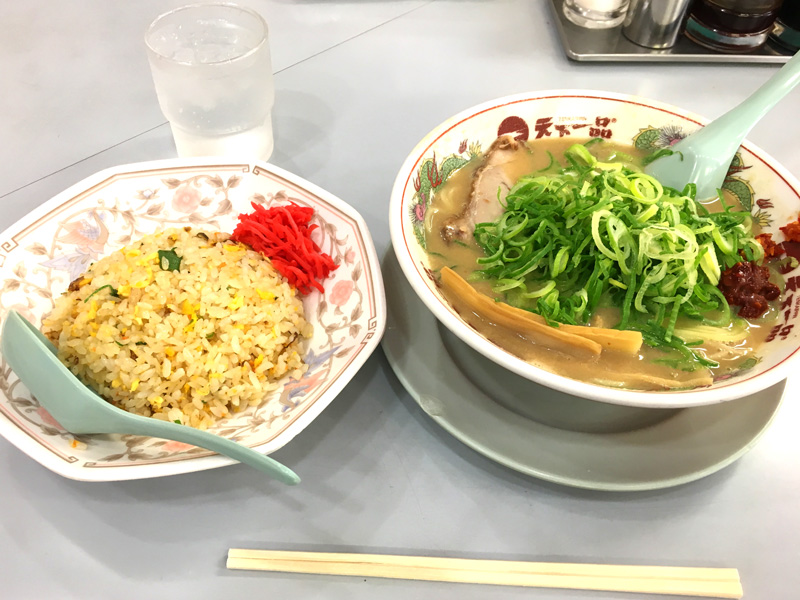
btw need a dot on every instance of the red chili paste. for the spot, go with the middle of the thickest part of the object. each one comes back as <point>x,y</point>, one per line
<point>747,285</point>
<point>771,249</point>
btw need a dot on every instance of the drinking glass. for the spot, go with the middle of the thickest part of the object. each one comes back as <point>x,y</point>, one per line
<point>212,71</point>
<point>595,14</point>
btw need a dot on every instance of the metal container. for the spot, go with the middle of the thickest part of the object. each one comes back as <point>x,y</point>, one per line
<point>655,23</point>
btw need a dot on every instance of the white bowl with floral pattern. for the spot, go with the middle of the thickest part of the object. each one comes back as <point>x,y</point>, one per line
<point>43,252</point>
<point>764,187</point>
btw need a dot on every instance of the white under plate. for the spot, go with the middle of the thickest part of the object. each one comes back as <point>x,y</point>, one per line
<point>683,446</point>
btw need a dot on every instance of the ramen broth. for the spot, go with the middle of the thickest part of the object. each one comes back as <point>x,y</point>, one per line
<point>615,369</point>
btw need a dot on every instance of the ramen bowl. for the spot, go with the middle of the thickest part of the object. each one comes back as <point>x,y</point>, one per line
<point>761,185</point>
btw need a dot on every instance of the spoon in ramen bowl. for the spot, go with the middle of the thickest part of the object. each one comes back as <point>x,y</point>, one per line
<point>704,157</point>
<point>79,410</point>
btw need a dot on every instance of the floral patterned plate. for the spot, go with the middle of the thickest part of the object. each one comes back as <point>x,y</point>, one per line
<point>765,188</point>
<point>50,247</point>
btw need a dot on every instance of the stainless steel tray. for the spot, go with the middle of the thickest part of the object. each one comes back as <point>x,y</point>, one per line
<point>609,45</point>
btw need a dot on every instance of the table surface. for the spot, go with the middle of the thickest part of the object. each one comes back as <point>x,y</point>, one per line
<point>358,83</point>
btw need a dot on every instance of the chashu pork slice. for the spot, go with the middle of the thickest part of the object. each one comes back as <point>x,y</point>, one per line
<point>490,185</point>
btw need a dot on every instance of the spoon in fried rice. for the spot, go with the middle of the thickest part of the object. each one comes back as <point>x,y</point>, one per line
<point>79,410</point>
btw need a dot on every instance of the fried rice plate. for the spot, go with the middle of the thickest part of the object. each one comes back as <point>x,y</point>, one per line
<point>182,325</point>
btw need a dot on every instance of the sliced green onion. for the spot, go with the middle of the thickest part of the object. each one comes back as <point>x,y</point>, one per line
<point>503,285</point>
<point>114,291</point>
<point>168,260</point>
<point>560,262</point>
<point>595,233</point>
<point>546,288</point>
<point>579,153</point>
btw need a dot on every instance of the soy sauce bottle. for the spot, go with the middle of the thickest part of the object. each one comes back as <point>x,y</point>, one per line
<point>731,26</point>
<point>786,32</point>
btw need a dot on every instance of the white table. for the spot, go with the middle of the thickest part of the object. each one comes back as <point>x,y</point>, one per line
<point>358,83</point>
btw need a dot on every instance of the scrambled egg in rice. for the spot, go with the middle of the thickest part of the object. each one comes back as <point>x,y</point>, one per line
<point>182,325</point>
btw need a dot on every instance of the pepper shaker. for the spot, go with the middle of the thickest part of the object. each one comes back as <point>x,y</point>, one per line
<point>654,23</point>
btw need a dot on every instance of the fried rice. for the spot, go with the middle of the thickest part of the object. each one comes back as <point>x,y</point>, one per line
<point>182,325</point>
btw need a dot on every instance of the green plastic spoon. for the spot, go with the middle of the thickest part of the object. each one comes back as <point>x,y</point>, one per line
<point>79,410</point>
<point>704,157</point>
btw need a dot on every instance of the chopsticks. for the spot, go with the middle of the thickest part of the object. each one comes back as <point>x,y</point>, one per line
<point>685,581</point>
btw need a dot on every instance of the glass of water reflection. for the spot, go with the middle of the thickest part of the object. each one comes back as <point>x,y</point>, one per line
<point>212,71</point>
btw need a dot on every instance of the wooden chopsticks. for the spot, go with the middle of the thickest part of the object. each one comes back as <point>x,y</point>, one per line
<point>685,581</point>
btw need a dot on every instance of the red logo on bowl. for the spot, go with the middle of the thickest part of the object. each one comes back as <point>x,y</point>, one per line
<point>514,126</point>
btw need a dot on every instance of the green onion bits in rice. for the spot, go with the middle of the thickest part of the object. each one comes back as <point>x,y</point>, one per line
<point>183,325</point>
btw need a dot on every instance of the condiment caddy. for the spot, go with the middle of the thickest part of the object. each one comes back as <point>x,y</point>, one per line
<point>610,45</point>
